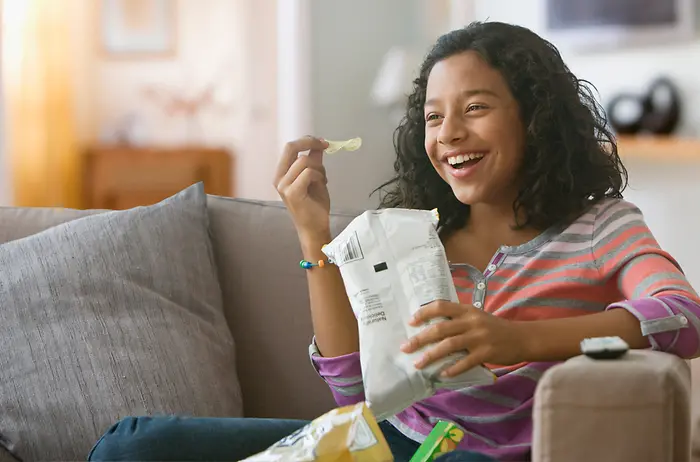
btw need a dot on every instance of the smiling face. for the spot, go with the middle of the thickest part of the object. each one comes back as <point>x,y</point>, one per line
<point>473,132</point>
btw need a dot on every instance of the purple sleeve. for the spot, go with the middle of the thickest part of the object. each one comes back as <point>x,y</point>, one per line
<point>670,322</point>
<point>343,375</point>
<point>651,282</point>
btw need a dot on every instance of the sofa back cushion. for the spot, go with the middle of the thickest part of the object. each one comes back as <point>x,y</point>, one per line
<point>109,315</point>
<point>267,306</point>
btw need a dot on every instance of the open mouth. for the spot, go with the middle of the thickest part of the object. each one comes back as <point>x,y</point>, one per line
<point>464,161</point>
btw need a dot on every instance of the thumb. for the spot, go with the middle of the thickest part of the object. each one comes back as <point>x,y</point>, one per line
<point>316,155</point>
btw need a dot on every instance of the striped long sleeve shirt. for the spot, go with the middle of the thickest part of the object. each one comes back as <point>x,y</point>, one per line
<point>606,259</point>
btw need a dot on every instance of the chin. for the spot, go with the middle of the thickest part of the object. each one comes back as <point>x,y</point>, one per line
<point>466,196</point>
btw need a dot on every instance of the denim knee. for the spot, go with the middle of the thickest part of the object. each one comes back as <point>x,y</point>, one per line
<point>115,442</point>
<point>464,456</point>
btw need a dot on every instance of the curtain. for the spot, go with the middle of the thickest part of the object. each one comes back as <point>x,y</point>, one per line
<point>41,139</point>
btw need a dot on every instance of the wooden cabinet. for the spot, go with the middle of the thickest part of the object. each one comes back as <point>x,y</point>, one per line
<point>121,177</point>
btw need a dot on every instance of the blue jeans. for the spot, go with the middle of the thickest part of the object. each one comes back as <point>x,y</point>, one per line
<point>211,439</point>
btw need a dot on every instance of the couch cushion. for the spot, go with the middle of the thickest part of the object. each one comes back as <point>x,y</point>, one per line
<point>267,305</point>
<point>113,314</point>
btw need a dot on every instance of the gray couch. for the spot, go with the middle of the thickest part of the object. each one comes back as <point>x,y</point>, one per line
<point>633,409</point>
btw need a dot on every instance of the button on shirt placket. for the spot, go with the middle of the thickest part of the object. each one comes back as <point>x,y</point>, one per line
<point>481,283</point>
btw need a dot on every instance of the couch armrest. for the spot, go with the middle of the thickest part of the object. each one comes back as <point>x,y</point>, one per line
<point>636,409</point>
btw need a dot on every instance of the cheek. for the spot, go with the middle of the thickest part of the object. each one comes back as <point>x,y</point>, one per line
<point>431,145</point>
<point>517,130</point>
<point>512,138</point>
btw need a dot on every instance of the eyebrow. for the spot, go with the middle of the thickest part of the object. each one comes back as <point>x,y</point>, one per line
<point>466,93</point>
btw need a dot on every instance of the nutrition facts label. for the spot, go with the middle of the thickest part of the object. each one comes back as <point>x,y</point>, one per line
<point>430,278</point>
<point>368,307</point>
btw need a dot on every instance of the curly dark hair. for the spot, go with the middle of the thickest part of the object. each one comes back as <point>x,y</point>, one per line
<point>570,159</point>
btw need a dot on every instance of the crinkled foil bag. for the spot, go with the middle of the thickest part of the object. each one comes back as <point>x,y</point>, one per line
<point>346,434</point>
<point>392,263</point>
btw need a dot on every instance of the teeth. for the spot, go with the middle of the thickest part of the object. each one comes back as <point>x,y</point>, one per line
<point>458,159</point>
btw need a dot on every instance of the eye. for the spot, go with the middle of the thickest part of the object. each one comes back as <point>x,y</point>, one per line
<point>431,116</point>
<point>474,107</point>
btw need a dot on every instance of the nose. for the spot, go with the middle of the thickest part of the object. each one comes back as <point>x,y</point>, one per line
<point>452,130</point>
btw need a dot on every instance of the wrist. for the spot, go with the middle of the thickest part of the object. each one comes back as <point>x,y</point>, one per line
<point>312,242</point>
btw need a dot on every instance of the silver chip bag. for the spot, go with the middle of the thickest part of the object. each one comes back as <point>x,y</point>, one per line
<point>392,262</point>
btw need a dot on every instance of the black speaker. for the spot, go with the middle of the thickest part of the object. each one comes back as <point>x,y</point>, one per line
<point>662,107</point>
<point>657,111</point>
<point>625,112</point>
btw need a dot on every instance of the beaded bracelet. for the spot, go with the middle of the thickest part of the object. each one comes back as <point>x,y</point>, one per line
<point>308,265</point>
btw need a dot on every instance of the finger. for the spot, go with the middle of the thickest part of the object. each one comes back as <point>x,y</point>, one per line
<point>444,348</point>
<point>315,155</point>
<point>433,334</point>
<point>470,361</point>
<point>291,153</point>
<point>436,309</point>
<point>295,170</point>
<point>300,186</point>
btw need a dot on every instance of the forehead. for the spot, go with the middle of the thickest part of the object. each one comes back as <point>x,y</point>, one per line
<point>463,72</point>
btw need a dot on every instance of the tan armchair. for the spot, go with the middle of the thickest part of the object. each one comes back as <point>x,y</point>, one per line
<point>633,409</point>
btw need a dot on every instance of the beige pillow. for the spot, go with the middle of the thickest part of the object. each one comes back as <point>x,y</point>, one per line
<point>110,315</point>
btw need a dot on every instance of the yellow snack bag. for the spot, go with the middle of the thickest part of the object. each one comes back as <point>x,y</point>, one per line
<point>346,434</point>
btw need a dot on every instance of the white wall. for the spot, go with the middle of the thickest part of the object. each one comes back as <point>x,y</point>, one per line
<point>348,41</point>
<point>209,38</point>
<point>666,190</point>
<point>232,42</point>
<point>208,48</point>
<point>255,124</point>
<point>294,64</point>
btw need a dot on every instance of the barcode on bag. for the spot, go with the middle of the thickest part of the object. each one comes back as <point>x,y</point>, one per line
<point>348,251</point>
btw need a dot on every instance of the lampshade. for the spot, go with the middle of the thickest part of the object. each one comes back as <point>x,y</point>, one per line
<point>395,77</point>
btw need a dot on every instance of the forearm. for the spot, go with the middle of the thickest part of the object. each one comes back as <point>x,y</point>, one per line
<point>334,323</point>
<point>560,339</point>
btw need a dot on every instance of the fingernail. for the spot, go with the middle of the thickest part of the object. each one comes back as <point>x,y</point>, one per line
<point>418,363</point>
<point>404,346</point>
<point>444,374</point>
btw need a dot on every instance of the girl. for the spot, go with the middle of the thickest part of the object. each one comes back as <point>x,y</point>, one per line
<point>515,153</point>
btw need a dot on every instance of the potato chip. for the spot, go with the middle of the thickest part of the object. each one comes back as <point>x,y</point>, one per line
<point>348,145</point>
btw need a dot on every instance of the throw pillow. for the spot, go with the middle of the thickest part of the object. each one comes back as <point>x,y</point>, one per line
<point>110,315</point>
